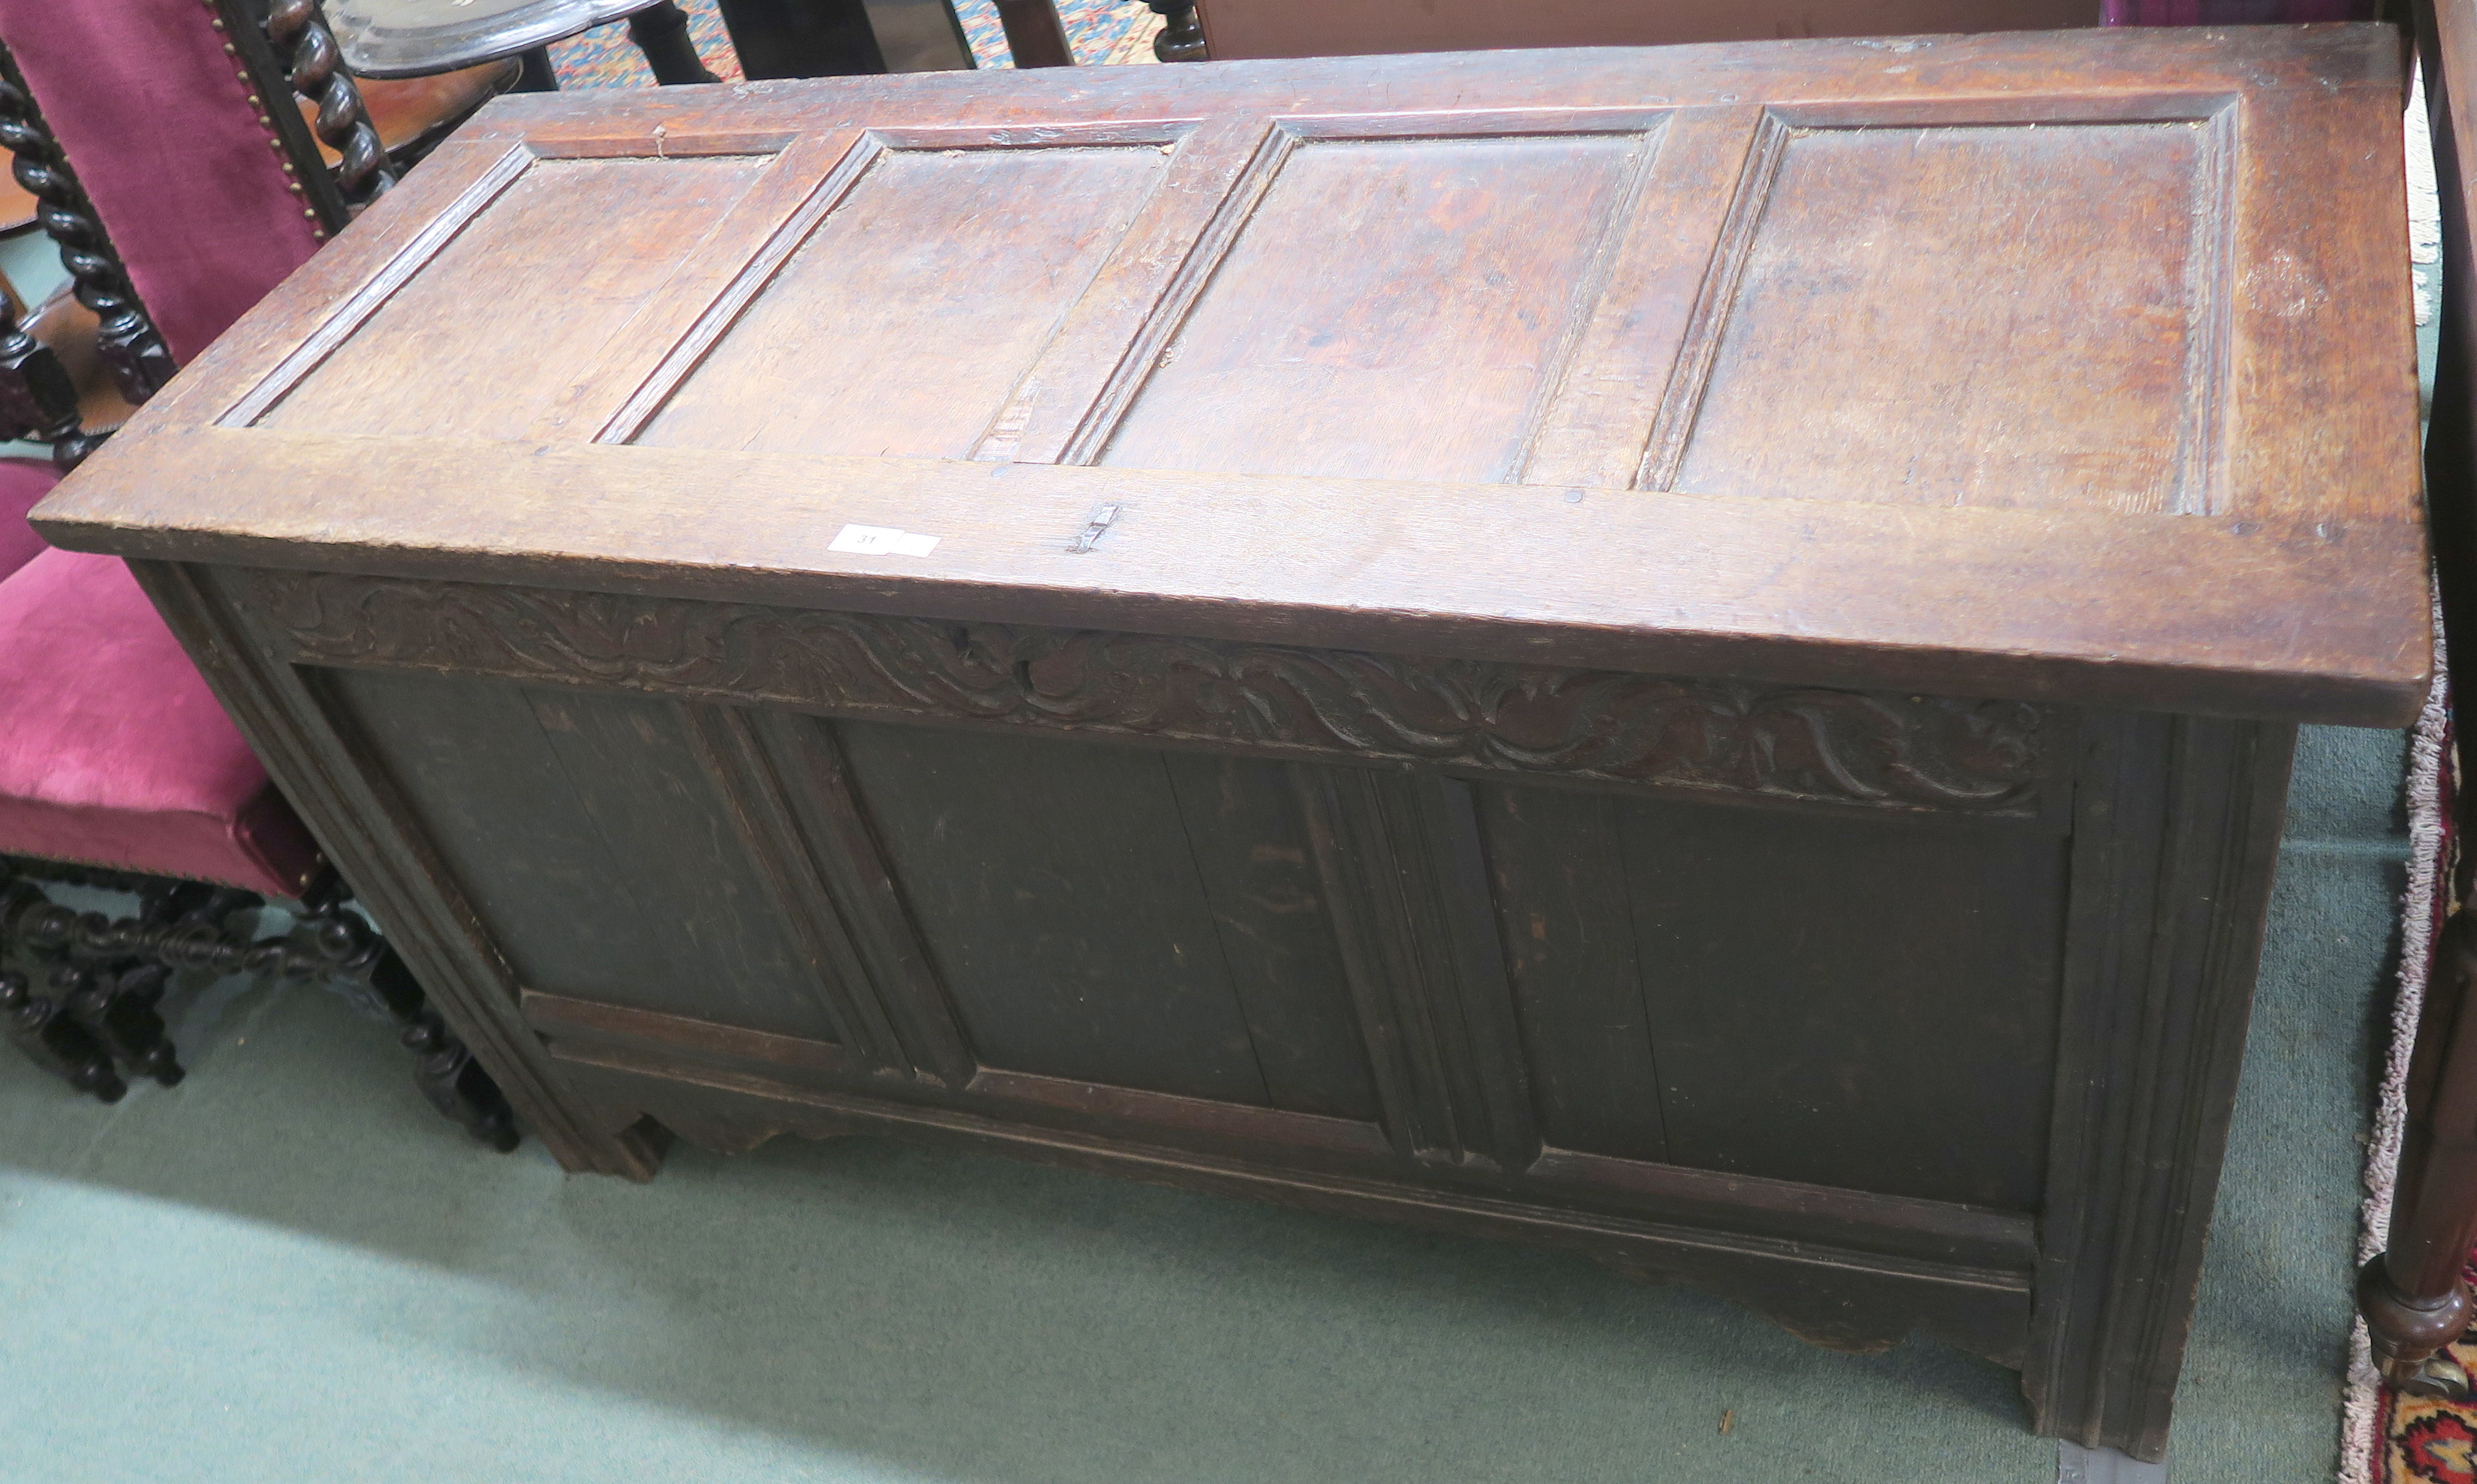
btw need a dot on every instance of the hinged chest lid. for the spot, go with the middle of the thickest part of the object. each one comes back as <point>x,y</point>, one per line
<point>2065,366</point>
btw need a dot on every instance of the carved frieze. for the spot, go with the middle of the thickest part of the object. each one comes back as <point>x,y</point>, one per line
<point>1886,751</point>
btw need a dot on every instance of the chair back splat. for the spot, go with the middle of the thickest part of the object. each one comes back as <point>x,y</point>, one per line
<point>126,339</point>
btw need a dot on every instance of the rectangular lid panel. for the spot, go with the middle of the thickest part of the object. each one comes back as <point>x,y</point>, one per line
<point>1395,309</point>
<point>902,323</point>
<point>487,335</point>
<point>2074,367</point>
<point>2014,315</point>
<point>2024,295</point>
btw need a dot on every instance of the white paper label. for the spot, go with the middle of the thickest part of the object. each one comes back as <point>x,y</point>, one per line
<point>877,540</point>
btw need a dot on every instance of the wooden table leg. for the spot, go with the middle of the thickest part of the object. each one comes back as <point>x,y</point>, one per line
<point>660,30</point>
<point>2412,1296</point>
<point>802,37</point>
<point>1035,34</point>
<point>538,75</point>
<point>1182,34</point>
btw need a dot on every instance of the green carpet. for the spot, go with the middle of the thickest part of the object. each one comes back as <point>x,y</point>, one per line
<point>289,1269</point>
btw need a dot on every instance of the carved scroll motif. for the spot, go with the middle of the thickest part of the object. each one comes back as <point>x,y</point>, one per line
<point>1788,741</point>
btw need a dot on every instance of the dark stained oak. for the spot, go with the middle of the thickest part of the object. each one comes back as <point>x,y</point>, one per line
<point>1688,653</point>
<point>2078,606</point>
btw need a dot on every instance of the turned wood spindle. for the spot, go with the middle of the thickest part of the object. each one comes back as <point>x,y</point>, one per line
<point>1181,37</point>
<point>308,52</point>
<point>125,338</point>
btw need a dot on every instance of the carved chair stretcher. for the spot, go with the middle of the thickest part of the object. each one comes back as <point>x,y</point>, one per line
<point>1686,653</point>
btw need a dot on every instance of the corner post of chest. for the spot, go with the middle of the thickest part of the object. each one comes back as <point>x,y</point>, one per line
<point>2176,833</point>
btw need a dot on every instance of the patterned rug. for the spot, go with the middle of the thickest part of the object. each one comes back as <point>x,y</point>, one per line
<point>2429,1442</point>
<point>2392,1439</point>
<point>1100,31</point>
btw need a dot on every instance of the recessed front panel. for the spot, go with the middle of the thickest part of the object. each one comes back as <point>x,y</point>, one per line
<point>1858,991</point>
<point>1169,938</point>
<point>592,843</point>
<point>1771,995</point>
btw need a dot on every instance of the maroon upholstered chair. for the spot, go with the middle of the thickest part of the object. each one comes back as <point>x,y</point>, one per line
<point>22,482</point>
<point>182,184</point>
<point>220,260</point>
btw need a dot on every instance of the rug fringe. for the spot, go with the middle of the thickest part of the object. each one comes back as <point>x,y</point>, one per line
<point>2361,1441</point>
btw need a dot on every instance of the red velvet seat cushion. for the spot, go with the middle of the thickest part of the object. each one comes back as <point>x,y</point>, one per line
<point>22,482</point>
<point>113,751</point>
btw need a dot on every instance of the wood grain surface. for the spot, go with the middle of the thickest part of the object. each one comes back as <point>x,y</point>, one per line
<point>2068,368</point>
<point>1689,654</point>
<point>2241,616</point>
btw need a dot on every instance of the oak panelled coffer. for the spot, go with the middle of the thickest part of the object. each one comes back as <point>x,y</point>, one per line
<point>1688,653</point>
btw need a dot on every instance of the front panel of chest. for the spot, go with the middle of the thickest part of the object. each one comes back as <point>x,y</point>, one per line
<point>1476,924</point>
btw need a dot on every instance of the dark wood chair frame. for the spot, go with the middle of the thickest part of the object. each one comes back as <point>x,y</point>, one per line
<point>37,403</point>
<point>2413,1296</point>
<point>82,994</point>
<point>783,38</point>
<point>1182,36</point>
<point>79,989</point>
<point>292,53</point>
<point>660,31</point>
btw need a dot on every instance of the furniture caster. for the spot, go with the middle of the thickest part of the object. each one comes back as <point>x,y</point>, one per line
<point>2439,1379</point>
<point>2409,1333</point>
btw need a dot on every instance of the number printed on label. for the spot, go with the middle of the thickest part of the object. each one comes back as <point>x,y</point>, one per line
<point>877,540</point>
